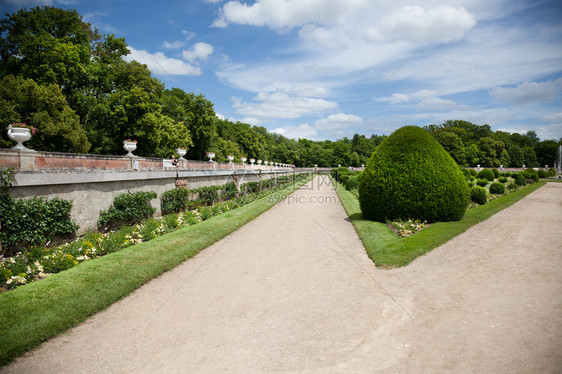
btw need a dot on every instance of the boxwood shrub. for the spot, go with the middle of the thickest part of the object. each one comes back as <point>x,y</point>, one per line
<point>497,188</point>
<point>478,195</point>
<point>502,179</point>
<point>552,172</point>
<point>127,208</point>
<point>531,174</point>
<point>473,172</point>
<point>496,173</point>
<point>482,182</point>
<point>175,200</point>
<point>520,179</point>
<point>352,183</point>
<point>487,173</point>
<point>411,175</point>
<point>543,174</point>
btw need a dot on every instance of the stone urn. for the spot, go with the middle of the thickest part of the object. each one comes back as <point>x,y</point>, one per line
<point>243,159</point>
<point>129,147</point>
<point>230,158</point>
<point>181,152</point>
<point>210,156</point>
<point>19,135</point>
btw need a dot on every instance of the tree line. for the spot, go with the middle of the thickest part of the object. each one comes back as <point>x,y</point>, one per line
<point>59,74</point>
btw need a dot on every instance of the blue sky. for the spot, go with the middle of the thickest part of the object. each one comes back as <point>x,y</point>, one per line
<point>324,69</point>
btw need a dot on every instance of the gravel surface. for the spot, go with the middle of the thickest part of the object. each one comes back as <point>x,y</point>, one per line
<point>293,291</point>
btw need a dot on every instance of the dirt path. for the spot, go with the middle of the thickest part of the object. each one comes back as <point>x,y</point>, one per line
<point>293,291</point>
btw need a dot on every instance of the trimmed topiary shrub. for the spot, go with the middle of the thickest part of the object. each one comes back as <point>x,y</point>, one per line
<point>478,195</point>
<point>487,173</point>
<point>496,173</point>
<point>482,182</point>
<point>552,172</point>
<point>505,174</point>
<point>543,174</point>
<point>531,174</point>
<point>502,179</point>
<point>352,183</point>
<point>497,188</point>
<point>473,172</point>
<point>411,175</point>
<point>520,179</point>
<point>512,186</point>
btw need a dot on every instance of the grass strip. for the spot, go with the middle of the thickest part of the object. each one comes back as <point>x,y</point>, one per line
<point>388,250</point>
<point>31,314</point>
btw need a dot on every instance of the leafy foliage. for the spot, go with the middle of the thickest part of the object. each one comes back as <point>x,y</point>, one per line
<point>497,188</point>
<point>127,208</point>
<point>175,200</point>
<point>487,174</point>
<point>411,175</point>
<point>478,195</point>
<point>31,222</point>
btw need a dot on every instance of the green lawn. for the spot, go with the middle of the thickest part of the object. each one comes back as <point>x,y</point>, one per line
<point>388,250</point>
<point>31,314</point>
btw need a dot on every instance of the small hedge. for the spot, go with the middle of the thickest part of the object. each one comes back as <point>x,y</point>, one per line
<point>33,222</point>
<point>520,179</point>
<point>497,188</point>
<point>482,182</point>
<point>478,195</point>
<point>502,179</point>
<point>487,173</point>
<point>473,172</point>
<point>531,174</point>
<point>411,176</point>
<point>175,200</point>
<point>496,173</point>
<point>127,208</point>
<point>552,172</point>
<point>543,174</point>
<point>352,183</point>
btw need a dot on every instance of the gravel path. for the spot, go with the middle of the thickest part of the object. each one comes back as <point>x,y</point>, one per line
<point>293,291</point>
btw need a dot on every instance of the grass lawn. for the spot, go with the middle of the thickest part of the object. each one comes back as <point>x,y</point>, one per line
<point>388,250</point>
<point>31,314</point>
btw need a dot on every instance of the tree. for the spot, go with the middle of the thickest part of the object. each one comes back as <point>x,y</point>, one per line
<point>45,108</point>
<point>546,152</point>
<point>47,44</point>
<point>452,143</point>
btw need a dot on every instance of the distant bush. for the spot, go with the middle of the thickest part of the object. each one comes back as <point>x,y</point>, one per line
<point>175,200</point>
<point>505,174</point>
<point>127,208</point>
<point>512,186</point>
<point>520,179</point>
<point>411,175</point>
<point>552,172</point>
<point>502,179</point>
<point>496,173</point>
<point>208,195</point>
<point>478,195</point>
<point>497,188</point>
<point>487,173</point>
<point>230,190</point>
<point>250,187</point>
<point>473,172</point>
<point>543,174</point>
<point>482,182</point>
<point>532,174</point>
<point>466,173</point>
<point>352,183</point>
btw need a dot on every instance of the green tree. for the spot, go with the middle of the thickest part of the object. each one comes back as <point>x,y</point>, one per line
<point>45,108</point>
<point>47,44</point>
<point>452,143</point>
<point>546,152</point>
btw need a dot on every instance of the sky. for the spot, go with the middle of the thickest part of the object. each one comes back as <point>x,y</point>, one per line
<point>327,69</point>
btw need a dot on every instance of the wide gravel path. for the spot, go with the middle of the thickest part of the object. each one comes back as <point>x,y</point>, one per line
<point>293,291</point>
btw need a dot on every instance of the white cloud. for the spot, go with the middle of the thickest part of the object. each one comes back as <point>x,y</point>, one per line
<point>414,23</point>
<point>528,92</point>
<point>200,51</point>
<point>553,117</point>
<point>286,14</point>
<point>281,105</point>
<point>297,132</point>
<point>173,45</point>
<point>31,3</point>
<point>336,122</point>
<point>158,63</point>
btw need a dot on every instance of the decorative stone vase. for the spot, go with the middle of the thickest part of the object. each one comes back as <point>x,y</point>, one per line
<point>230,158</point>
<point>181,152</point>
<point>211,155</point>
<point>130,147</point>
<point>19,135</point>
<point>243,159</point>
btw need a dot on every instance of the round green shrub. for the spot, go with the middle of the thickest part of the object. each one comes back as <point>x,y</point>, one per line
<point>552,172</point>
<point>496,173</point>
<point>497,188</point>
<point>512,186</point>
<point>466,173</point>
<point>352,183</point>
<point>486,173</point>
<point>532,174</point>
<point>478,195</point>
<point>482,182</point>
<point>411,175</point>
<point>505,174</point>
<point>473,172</point>
<point>520,179</point>
<point>543,174</point>
<point>174,201</point>
<point>502,179</point>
